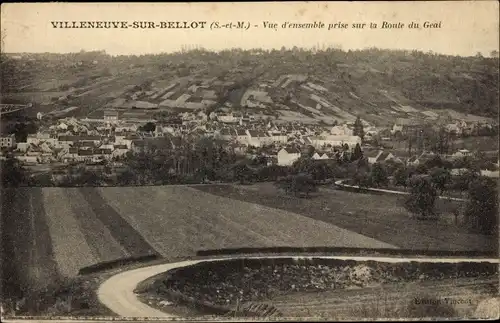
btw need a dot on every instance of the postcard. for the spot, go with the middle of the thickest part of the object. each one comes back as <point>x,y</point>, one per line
<point>254,161</point>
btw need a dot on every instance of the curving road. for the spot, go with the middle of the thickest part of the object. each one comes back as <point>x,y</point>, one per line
<point>117,293</point>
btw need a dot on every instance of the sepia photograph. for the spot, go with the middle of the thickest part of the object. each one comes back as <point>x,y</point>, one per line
<point>320,161</point>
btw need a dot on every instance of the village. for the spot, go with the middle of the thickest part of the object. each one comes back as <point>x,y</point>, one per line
<point>117,135</point>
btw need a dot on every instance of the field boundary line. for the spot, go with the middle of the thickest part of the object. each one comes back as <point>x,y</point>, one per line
<point>342,185</point>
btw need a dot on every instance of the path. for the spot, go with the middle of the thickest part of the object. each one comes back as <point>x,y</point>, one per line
<point>117,293</point>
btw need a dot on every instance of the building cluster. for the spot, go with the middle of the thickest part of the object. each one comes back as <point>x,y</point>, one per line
<point>116,134</point>
<point>94,140</point>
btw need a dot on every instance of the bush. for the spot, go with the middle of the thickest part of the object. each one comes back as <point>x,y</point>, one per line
<point>378,175</point>
<point>297,184</point>
<point>422,197</point>
<point>440,177</point>
<point>400,176</point>
<point>482,207</point>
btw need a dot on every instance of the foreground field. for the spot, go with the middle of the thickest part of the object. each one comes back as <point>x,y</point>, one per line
<point>332,288</point>
<point>381,217</point>
<point>53,232</point>
<point>403,300</point>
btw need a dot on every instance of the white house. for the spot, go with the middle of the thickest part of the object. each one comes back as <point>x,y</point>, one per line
<point>320,141</point>
<point>228,118</point>
<point>241,136</point>
<point>317,156</point>
<point>120,150</point>
<point>380,156</point>
<point>342,130</point>
<point>22,146</point>
<point>42,137</point>
<point>287,156</point>
<point>258,138</point>
<point>226,134</point>
<point>278,137</point>
<point>110,116</point>
<point>461,153</point>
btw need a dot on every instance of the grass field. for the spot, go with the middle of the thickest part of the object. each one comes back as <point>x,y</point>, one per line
<point>381,217</point>
<point>391,300</point>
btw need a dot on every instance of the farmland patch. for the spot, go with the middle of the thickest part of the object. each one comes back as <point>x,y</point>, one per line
<point>120,229</point>
<point>104,247</point>
<point>383,218</point>
<point>71,251</point>
<point>181,220</point>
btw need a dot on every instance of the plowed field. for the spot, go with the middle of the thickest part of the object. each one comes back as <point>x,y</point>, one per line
<point>56,231</point>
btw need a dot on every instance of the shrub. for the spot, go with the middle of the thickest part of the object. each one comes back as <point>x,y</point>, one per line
<point>422,197</point>
<point>482,207</point>
<point>378,175</point>
<point>440,177</point>
<point>298,184</point>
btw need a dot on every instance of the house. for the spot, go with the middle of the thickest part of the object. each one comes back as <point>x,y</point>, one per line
<point>453,128</point>
<point>278,137</point>
<point>320,141</point>
<point>41,137</point>
<point>461,153</point>
<point>420,159</point>
<point>110,116</point>
<point>68,155</point>
<point>228,118</point>
<point>22,146</point>
<point>318,156</point>
<point>287,156</point>
<point>342,130</point>
<point>258,138</point>
<point>120,150</point>
<point>138,145</point>
<point>489,173</point>
<point>8,141</point>
<point>380,156</point>
<point>413,161</point>
<point>226,134</point>
<point>404,126</point>
<point>241,136</point>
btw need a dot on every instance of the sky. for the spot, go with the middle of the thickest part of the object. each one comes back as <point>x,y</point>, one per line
<point>466,27</point>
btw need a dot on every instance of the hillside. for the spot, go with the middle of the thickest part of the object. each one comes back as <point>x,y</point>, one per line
<point>378,85</point>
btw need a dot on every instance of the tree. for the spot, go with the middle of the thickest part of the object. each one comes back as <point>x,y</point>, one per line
<point>436,161</point>
<point>391,166</point>
<point>378,175</point>
<point>357,153</point>
<point>421,169</point>
<point>148,127</point>
<point>462,181</point>
<point>362,179</point>
<point>482,207</point>
<point>272,172</point>
<point>319,171</point>
<point>242,173</point>
<point>13,174</point>
<point>358,128</point>
<point>126,177</point>
<point>310,151</point>
<point>299,185</point>
<point>400,176</point>
<point>440,177</point>
<point>302,165</point>
<point>422,197</point>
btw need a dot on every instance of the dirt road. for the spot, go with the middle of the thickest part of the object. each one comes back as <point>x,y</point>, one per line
<point>117,293</point>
